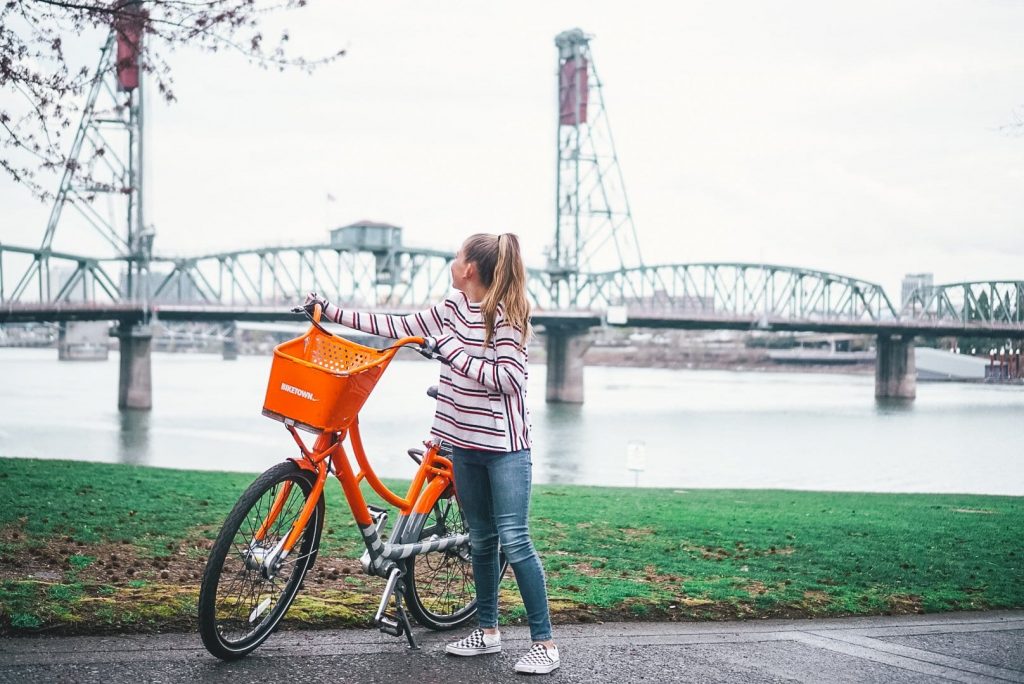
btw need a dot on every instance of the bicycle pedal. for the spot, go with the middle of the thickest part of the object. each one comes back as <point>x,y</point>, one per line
<point>390,625</point>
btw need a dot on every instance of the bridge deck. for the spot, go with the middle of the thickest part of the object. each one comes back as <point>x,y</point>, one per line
<point>129,313</point>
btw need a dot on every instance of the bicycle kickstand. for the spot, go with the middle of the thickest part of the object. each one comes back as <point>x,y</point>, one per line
<point>397,624</point>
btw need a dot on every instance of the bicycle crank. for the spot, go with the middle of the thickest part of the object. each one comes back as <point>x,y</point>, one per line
<point>398,623</point>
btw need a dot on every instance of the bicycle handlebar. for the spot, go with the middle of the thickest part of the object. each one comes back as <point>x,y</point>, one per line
<point>315,315</point>
<point>422,350</point>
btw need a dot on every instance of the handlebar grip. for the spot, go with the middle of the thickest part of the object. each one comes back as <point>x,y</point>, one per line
<point>420,349</point>
<point>433,356</point>
<point>412,339</point>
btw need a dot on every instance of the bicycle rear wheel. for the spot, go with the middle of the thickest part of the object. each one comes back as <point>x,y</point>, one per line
<point>441,593</point>
<point>242,599</point>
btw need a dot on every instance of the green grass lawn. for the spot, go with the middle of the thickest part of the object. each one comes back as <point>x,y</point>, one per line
<point>88,547</point>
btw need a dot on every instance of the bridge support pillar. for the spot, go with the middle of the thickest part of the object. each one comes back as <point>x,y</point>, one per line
<point>229,347</point>
<point>565,349</point>
<point>895,368</point>
<point>135,384</point>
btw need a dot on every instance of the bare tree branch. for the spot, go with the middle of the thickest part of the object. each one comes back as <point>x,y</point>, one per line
<point>34,64</point>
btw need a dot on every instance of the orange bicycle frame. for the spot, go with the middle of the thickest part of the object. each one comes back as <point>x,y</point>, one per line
<point>433,477</point>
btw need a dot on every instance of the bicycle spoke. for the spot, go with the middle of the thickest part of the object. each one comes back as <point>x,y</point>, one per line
<point>243,590</point>
<point>246,588</point>
<point>443,580</point>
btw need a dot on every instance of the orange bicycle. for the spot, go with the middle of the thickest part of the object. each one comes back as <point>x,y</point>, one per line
<point>270,540</point>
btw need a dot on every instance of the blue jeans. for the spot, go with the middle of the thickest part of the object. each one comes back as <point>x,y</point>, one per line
<point>494,488</point>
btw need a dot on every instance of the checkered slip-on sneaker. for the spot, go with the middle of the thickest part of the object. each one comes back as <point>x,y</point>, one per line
<point>538,660</point>
<point>477,643</point>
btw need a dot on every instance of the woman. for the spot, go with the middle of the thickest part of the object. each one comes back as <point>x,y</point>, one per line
<point>482,331</point>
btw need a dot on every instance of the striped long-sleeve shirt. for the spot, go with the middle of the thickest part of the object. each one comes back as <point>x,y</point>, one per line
<point>481,399</point>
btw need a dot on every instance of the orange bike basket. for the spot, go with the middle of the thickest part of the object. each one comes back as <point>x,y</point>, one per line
<point>320,381</point>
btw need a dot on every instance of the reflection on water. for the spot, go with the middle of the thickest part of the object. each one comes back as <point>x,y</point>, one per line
<point>893,405</point>
<point>133,438</point>
<point>561,426</point>
<point>699,428</point>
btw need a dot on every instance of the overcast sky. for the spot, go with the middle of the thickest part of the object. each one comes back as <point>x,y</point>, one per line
<point>865,138</point>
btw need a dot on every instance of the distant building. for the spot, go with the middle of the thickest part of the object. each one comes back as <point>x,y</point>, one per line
<point>371,236</point>
<point>923,283</point>
<point>382,239</point>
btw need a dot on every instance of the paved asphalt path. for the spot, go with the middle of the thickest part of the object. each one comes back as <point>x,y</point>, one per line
<point>957,647</point>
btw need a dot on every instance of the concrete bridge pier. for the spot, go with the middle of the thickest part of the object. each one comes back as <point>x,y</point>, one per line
<point>135,384</point>
<point>565,349</point>
<point>895,369</point>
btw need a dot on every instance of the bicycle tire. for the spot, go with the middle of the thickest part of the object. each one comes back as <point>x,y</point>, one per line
<point>440,591</point>
<point>248,594</point>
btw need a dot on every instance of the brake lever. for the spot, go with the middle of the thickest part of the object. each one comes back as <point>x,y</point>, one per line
<point>309,316</point>
<point>432,355</point>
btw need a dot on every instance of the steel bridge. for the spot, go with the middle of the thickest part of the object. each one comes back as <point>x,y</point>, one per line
<point>406,279</point>
<point>263,284</point>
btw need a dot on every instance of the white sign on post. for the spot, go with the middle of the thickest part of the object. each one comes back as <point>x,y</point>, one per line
<point>636,459</point>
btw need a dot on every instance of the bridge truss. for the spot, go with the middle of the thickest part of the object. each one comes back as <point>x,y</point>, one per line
<point>401,278</point>
<point>987,301</point>
<point>410,278</point>
<point>757,296</point>
<point>45,276</point>
<point>270,276</point>
<point>739,290</point>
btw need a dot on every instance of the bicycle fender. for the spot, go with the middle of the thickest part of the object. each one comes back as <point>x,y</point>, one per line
<point>303,463</point>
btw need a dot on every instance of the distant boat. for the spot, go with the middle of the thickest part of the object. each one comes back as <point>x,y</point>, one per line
<point>937,364</point>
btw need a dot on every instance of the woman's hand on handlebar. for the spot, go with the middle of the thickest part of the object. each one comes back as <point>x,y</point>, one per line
<point>429,350</point>
<point>309,305</point>
<point>312,299</point>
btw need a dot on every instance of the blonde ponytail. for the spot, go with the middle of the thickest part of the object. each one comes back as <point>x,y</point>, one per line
<point>499,263</point>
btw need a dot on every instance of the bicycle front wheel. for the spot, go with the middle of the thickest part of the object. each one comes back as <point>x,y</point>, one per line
<point>441,593</point>
<point>244,593</point>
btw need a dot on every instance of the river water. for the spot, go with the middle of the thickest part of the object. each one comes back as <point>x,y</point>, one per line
<point>686,428</point>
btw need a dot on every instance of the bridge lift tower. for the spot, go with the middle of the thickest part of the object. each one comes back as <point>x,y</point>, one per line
<point>100,199</point>
<point>594,228</point>
<point>102,186</point>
